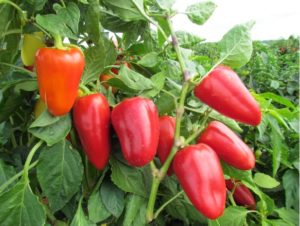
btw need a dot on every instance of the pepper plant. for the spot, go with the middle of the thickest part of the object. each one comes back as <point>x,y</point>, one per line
<point>109,116</point>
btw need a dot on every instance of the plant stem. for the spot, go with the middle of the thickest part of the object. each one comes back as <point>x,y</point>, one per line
<point>152,198</point>
<point>29,158</point>
<point>163,171</point>
<point>167,203</point>
<point>176,46</point>
<point>177,139</point>
<point>16,176</point>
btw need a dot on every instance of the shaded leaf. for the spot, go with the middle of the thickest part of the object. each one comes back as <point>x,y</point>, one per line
<point>19,206</point>
<point>59,172</point>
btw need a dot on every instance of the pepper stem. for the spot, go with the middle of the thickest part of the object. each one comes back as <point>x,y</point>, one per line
<point>58,43</point>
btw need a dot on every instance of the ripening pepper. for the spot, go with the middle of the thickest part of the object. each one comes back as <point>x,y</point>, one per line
<point>224,91</point>
<point>58,73</point>
<point>136,123</point>
<point>31,43</point>
<point>166,138</point>
<point>228,146</point>
<point>242,195</point>
<point>91,116</point>
<point>200,174</point>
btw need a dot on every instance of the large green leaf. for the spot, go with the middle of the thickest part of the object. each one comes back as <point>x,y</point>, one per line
<point>288,215</point>
<point>59,172</point>
<point>127,178</point>
<point>134,80</point>
<point>19,206</point>
<point>51,129</point>
<point>96,208</point>
<point>233,216</point>
<point>265,181</point>
<point>113,198</point>
<point>6,172</point>
<point>125,9</point>
<point>236,46</point>
<point>64,22</point>
<point>199,13</point>
<point>290,182</point>
<point>96,58</point>
<point>134,206</point>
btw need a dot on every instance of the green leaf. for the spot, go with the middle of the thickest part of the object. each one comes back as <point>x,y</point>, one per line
<point>236,46</point>
<point>37,4</point>
<point>127,178</point>
<point>92,22</point>
<point>96,208</point>
<point>125,9</point>
<point>51,129</point>
<point>6,172</point>
<point>10,102</point>
<point>69,15</point>
<point>187,40</point>
<point>19,206</point>
<point>265,181</point>
<point>288,215</point>
<point>277,223</point>
<point>165,104</point>
<point>230,171</point>
<point>59,172</point>
<point>9,44</point>
<point>233,216</point>
<point>149,60</point>
<point>133,208</point>
<point>165,4</point>
<point>113,198</point>
<point>53,24</point>
<point>290,182</point>
<point>134,80</point>
<point>159,82</point>
<point>80,219</point>
<point>199,13</point>
<point>64,22</point>
<point>278,99</point>
<point>5,133</point>
<point>96,59</point>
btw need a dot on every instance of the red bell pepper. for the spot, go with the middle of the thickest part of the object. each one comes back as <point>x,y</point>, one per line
<point>228,146</point>
<point>242,195</point>
<point>91,115</point>
<point>224,91</point>
<point>200,174</point>
<point>166,139</point>
<point>58,73</point>
<point>136,123</point>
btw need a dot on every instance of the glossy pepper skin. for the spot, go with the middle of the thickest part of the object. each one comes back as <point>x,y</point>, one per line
<point>200,174</point>
<point>91,116</point>
<point>58,73</point>
<point>224,91</point>
<point>242,195</point>
<point>136,123</point>
<point>228,146</point>
<point>166,138</point>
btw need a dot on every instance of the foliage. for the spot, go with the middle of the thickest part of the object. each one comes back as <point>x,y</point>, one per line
<point>46,180</point>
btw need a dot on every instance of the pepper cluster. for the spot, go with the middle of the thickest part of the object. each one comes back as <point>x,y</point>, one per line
<point>143,134</point>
